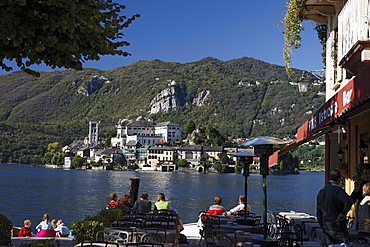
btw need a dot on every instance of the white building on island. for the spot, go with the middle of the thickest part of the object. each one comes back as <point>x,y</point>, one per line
<point>146,132</point>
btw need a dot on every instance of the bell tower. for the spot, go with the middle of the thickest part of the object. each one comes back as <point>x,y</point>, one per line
<point>93,132</point>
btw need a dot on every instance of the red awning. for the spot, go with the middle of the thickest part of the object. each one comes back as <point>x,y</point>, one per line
<point>345,102</point>
<point>274,159</point>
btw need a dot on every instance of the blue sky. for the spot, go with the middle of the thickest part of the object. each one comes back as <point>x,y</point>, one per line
<point>189,30</point>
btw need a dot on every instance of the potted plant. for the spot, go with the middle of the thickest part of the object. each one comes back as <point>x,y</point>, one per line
<point>343,168</point>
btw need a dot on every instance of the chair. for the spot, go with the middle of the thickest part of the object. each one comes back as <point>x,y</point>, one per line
<point>98,243</point>
<point>165,212</point>
<point>283,227</point>
<point>210,219</point>
<point>271,218</point>
<point>158,223</point>
<point>299,236</point>
<point>151,238</point>
<point>129,222</point>
<point>144,244</point>
<point>129,230</point>
<point>151,235</point>
<point>206,234</point>
<point>222,237</point>
<point>257,225</point>
<point>303,240</point>
<point>112,235</point>
<point>285,240</point>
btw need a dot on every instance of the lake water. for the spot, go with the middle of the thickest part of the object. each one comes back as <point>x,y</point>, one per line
<point>27,192</point>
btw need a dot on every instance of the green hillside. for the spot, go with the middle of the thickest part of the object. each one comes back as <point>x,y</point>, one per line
<point>57,106</point>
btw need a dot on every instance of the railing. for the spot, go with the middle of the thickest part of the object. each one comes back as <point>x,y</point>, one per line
<point>353,25</point>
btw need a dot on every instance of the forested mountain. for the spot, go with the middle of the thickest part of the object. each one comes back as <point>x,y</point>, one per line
<point>57,106</point>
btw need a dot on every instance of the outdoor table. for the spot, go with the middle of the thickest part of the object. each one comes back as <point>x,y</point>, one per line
<point>167,225</point>
<point>241,238</point>
<point>302,221</point>
<point>294,215</point>
<point>226,218</point>
<point>310,229</point>
<point>317,235</point>
<point>244,228</point>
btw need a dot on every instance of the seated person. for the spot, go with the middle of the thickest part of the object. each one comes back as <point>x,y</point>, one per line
<point>26,231</point>
<point>143,205</point>
<point>126,203</point>
<point>240,206</point>
<point>217,209</point>
<point>161,203</point>
<point>61,229</point>
<point>45,228</point>
<point>113,201</point>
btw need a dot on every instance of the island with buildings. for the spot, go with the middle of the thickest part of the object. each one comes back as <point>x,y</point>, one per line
<point>148,146</point>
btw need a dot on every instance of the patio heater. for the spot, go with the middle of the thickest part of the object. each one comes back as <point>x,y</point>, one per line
<point>246,158</point>
<point>263,147</point>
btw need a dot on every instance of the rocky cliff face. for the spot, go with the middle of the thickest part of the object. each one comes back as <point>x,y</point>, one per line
<point>201,98</point>
<point>164,101</point>
<point>92,85</point>
<point>172,97</point>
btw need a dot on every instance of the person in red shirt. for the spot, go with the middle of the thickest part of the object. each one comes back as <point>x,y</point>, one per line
<point>26,231</point>
<point>217,209</point>
<point>113,201</point>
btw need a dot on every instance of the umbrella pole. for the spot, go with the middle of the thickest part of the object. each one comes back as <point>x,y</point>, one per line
<point>264,206</point>
<point>246,175</point>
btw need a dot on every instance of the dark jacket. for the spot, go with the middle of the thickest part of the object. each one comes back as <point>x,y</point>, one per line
<point>142,206</point>
<point>331,201</point>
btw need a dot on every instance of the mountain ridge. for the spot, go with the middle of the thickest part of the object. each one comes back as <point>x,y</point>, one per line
<point>267,104</point>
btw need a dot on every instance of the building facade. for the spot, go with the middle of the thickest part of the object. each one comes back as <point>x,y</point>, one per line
<point>171,132</point>
<point>147,132</point>
<point>192,153</point>
<point>344,119</point>
<point>161,155</point>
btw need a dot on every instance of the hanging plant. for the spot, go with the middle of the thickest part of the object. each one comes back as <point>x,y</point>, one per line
<point>292,29</point>
<point>322,35</point>
<point>358,171</point>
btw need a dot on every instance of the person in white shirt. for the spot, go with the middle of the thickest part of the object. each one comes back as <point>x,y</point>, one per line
<point>61,229</point>
<point>240,206</point>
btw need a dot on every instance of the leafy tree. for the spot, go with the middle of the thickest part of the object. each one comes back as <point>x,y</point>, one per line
<point>79,161</point>
<point>224,159</point>
<point>288,161</point>
<point>60,33</point>
<point>217,165</point>
<point>190,127</point>
<point>47,158</point>
<point>54,147</point>
<point>182,163</point>
<point>205,164</point>
<point>58,159</point>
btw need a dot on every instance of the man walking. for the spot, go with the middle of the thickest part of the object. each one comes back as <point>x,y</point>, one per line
<point>333,203</point>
